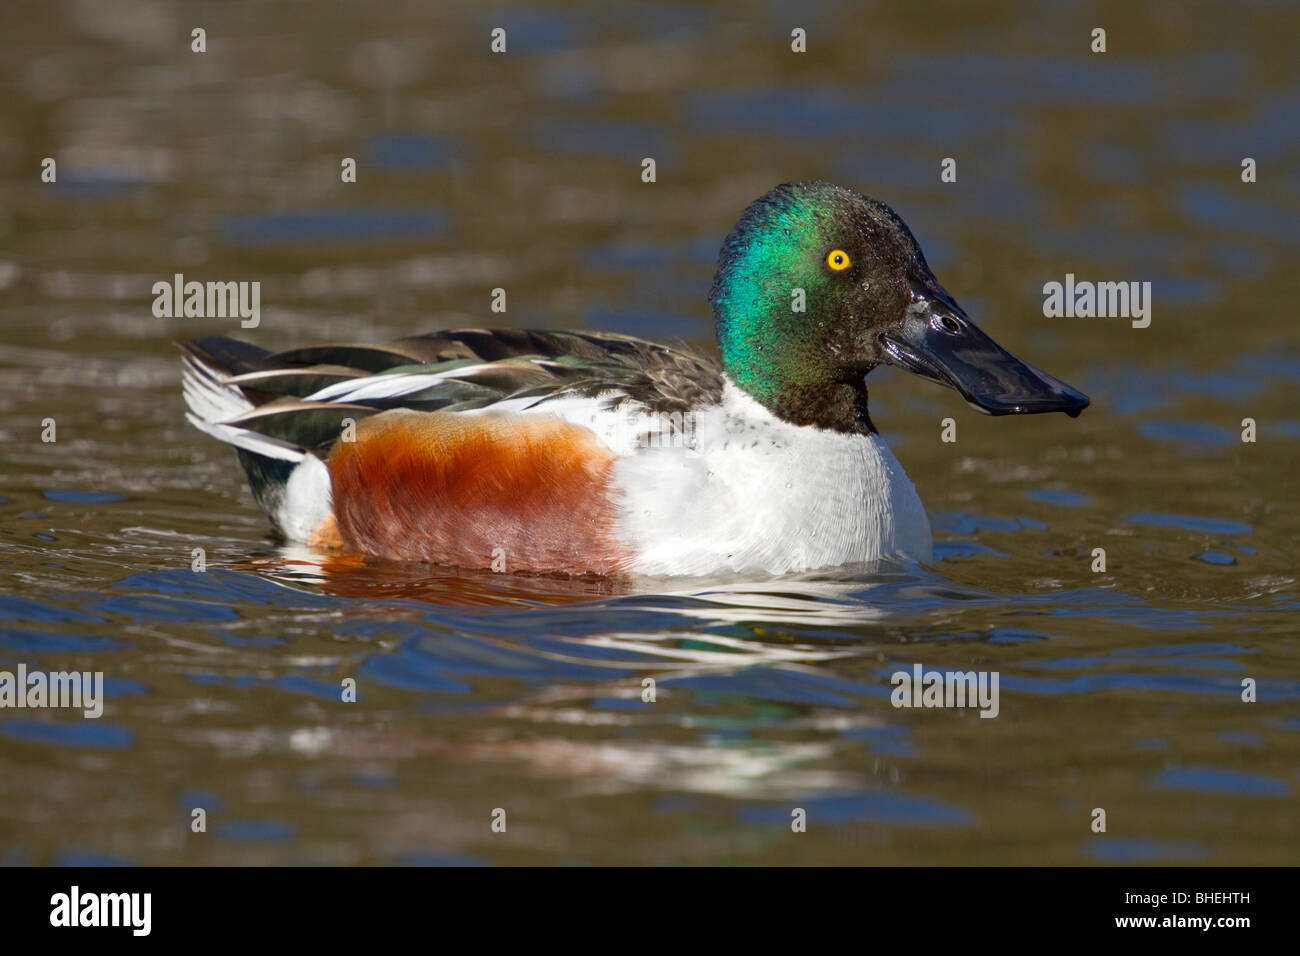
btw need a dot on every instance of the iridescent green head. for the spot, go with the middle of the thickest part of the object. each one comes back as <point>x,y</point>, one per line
<point>817,285</point>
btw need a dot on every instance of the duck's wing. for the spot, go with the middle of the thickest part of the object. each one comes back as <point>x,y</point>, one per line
<point>300,398</point>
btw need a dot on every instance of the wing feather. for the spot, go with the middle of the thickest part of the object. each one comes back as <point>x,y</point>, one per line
<point>301,396</point>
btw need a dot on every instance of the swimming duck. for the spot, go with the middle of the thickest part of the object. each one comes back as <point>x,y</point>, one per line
<point>587,452</point>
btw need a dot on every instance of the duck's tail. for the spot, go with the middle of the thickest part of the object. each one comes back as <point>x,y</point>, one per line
<point>289,482</point>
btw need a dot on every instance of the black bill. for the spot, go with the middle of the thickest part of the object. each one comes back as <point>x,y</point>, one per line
<point>938,342</point>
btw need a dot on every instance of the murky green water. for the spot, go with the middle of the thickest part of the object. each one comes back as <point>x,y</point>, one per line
<point>1119,690</point>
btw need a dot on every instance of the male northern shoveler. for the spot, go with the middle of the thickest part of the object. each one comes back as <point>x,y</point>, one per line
<point>601,453</point>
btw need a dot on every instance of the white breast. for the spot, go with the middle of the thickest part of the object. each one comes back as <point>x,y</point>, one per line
<point>743,491</point>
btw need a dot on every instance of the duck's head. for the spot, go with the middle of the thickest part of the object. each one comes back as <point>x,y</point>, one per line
<point>868,298</point>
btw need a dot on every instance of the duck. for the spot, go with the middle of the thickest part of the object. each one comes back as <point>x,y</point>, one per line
<point>594,453</point>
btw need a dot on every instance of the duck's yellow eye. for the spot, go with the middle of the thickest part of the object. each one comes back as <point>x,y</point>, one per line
<point>838,260</point>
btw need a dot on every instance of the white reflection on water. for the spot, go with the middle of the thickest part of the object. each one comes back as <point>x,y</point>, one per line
<point>792,600</point>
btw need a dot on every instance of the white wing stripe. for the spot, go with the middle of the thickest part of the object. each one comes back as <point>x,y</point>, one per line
<point>387,386</point>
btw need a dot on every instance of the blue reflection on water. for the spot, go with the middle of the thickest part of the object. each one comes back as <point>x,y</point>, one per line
<point>1220,780</point>
<point>85,734</point>
<point>408,152</point>
<point>1190,523</point>
<point>1192,433</point>
<point>883,806</point>
<point>1221,558</point>
<point>1057,496</point>
<point>342,225</point>
<point>1109,849</point>
<point>72,496</point>
<point>77,858</point>
<point>254,831</point>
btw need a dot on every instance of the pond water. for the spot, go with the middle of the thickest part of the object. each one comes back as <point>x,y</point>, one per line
<point>1120,689</point>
